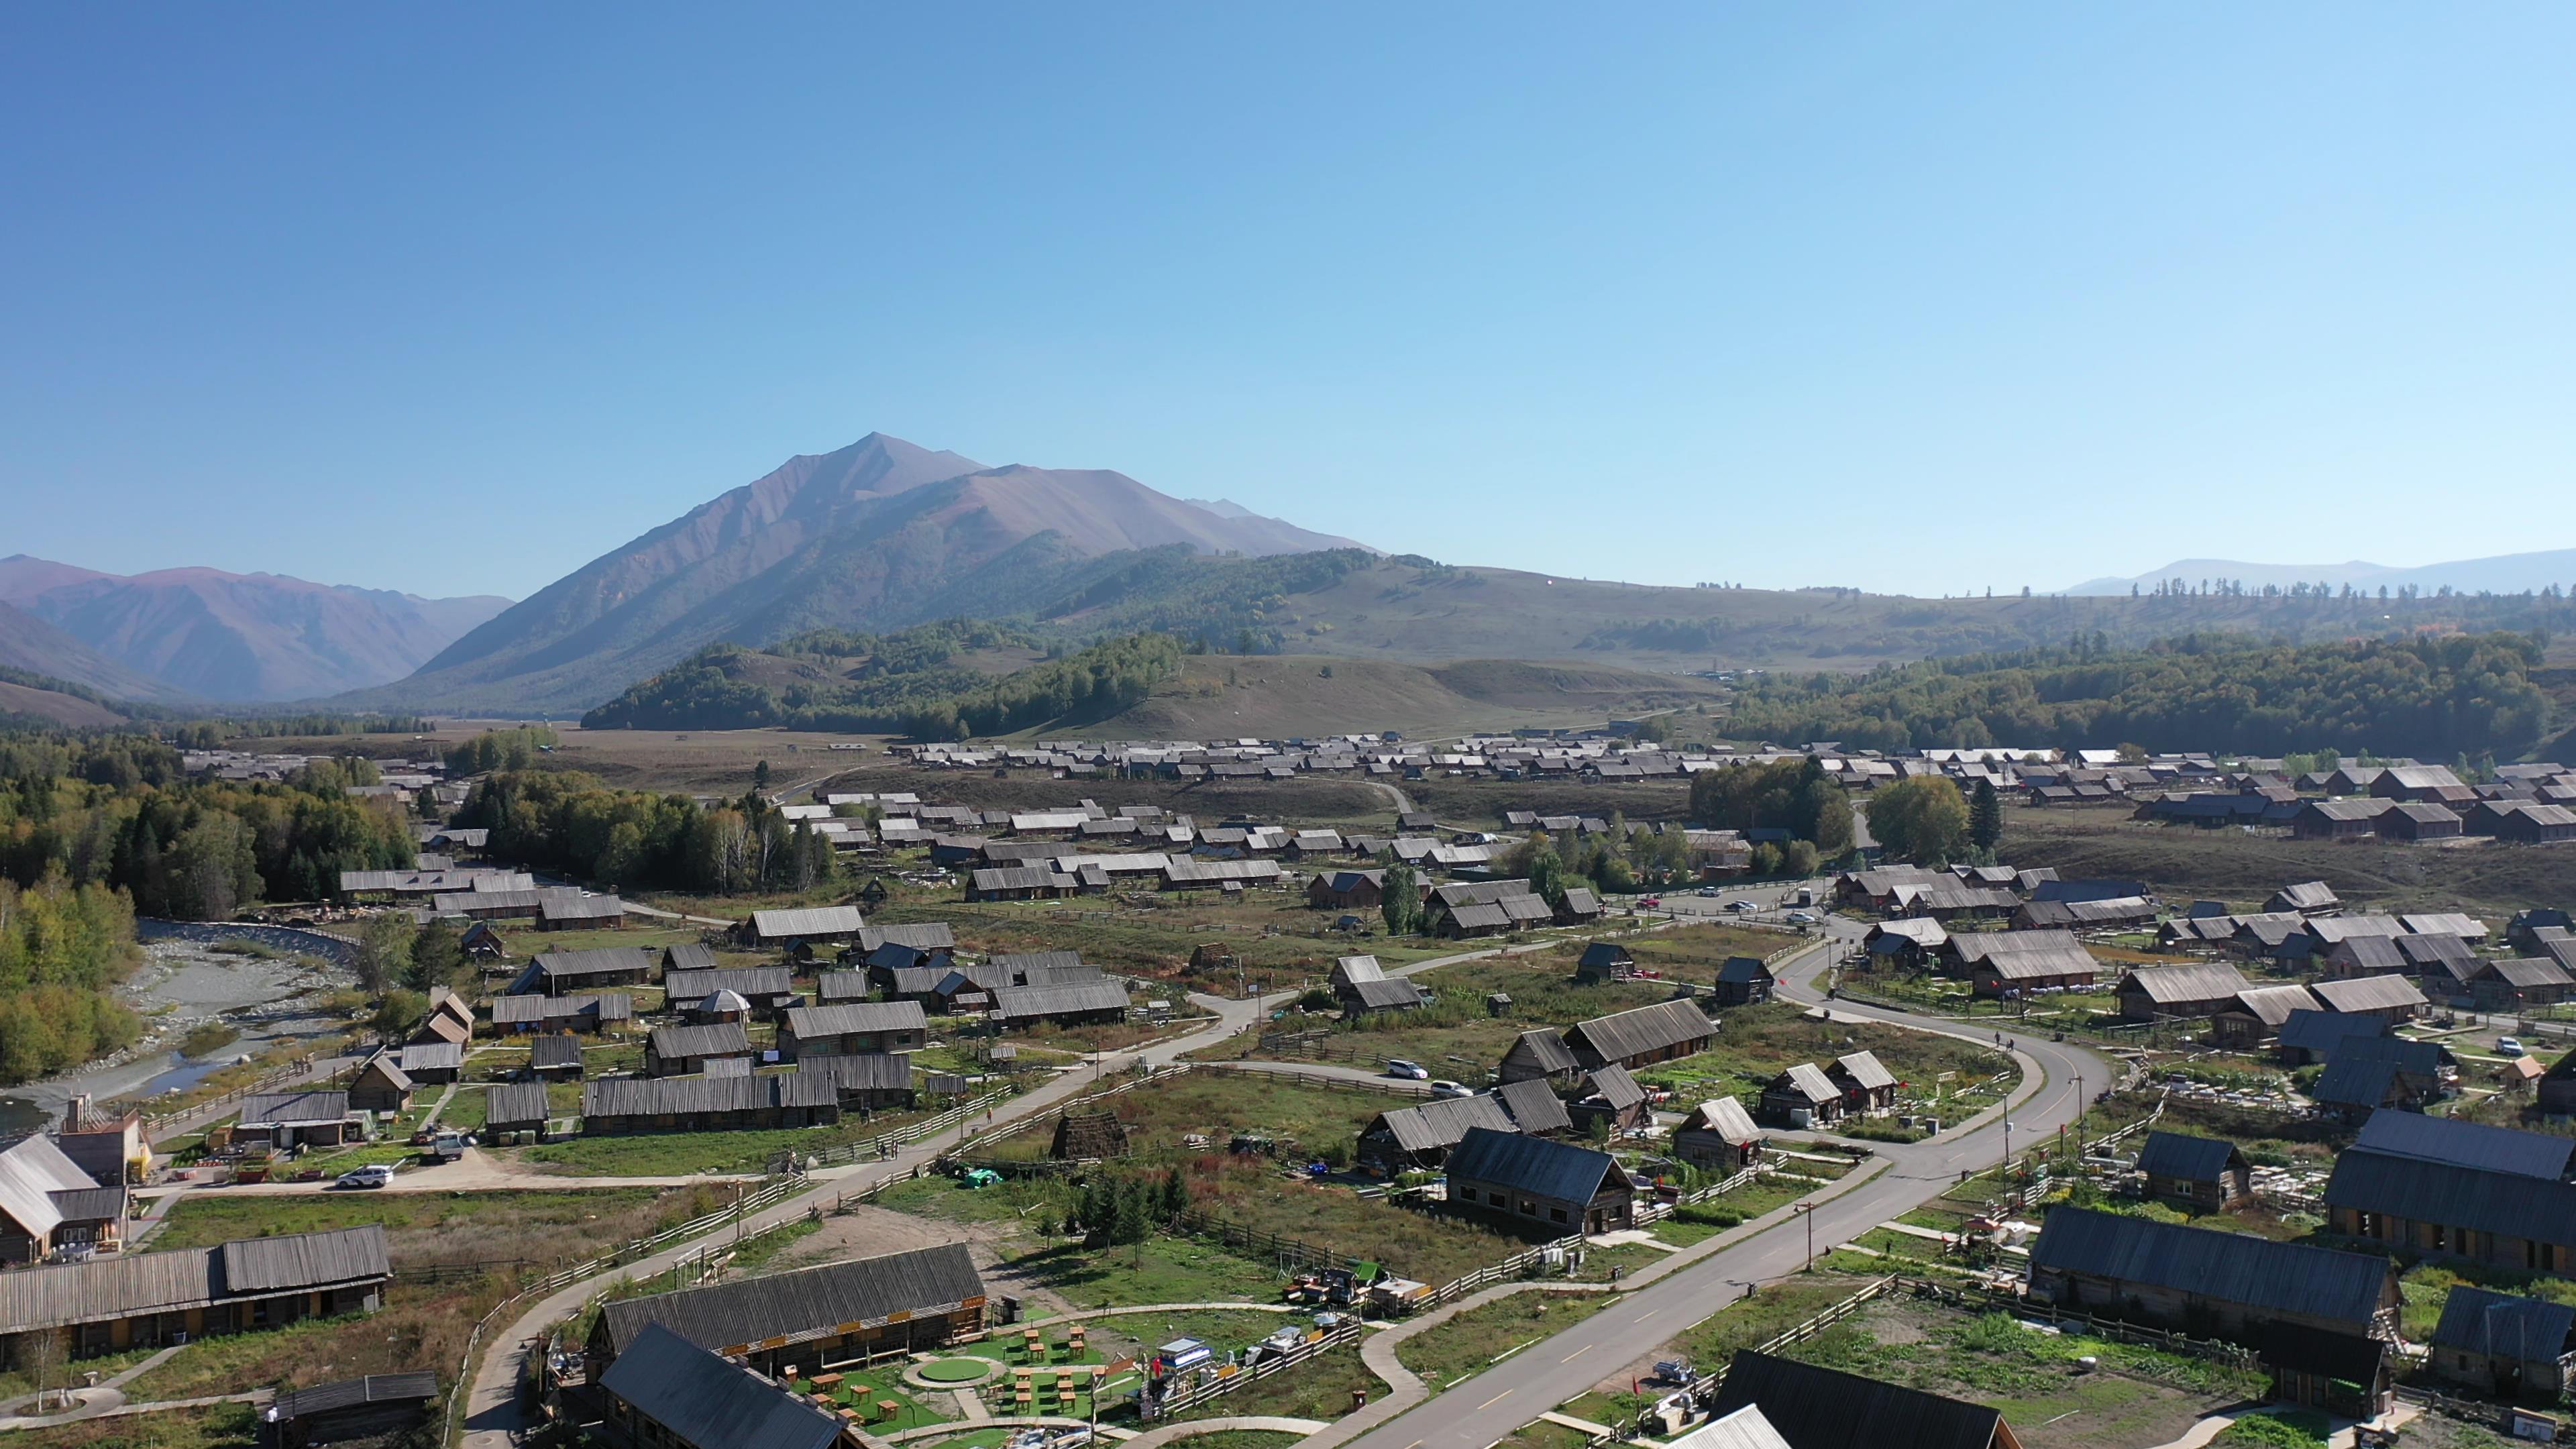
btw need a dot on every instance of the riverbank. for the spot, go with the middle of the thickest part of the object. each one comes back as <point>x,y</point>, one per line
<point>182,985</point>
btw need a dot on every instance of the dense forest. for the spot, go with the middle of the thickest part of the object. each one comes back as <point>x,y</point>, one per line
<point>903,683</point>
<point>569,822</point>
<point>63,949</point>
<point>2432,698</point>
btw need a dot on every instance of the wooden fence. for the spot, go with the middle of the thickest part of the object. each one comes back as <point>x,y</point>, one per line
<point>884,1144</point>
<point>1217,1383</point>
<point>297,1070</point>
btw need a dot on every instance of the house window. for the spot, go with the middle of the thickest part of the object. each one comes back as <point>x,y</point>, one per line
<point>1557,1213</point>
<point>1529,1208</point>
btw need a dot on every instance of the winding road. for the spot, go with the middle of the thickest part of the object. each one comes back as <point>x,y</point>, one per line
<point>1474,1414</point>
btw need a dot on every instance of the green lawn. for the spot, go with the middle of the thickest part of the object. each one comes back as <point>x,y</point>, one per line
<point>433,1227</point>
<point>1161,1270</point>
<point>222,1426</point>
<point>1469,1343</point>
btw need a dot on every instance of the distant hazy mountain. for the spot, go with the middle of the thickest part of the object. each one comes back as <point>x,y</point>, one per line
<point>2511,573</point>
<point>220,636</point>
<point>29,643</point>
<point>879,534</point>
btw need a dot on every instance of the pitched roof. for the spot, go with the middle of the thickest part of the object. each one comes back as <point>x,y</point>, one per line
<point>1642,1029</point>
<point>2197,981</point>
<point>1864,1071</point>
<point>1533,1105</point>
<point>1535,1165</point>
<point>1022,1002</point>
<point>2311,895</point>
<point>1442,1122</point>
<point>521,1010</point>
<point>855,1016</point>
<point>812,921</point>
<point>2357,1080</point>
<point>2501,1325</point>
<point>2457,1197</point>
<point>920,936</point>
<point>713,1039</point>
<point>606,961</point>
<point>1546,1050</point>
<point>125,1285</point>
<point>2468,1144</point>
<point>679,1096</point>
<point>1613,1087</point>
<point>32,1169</point>
<point>2368,993</point>
<point>1392,994</point>
<point>1822,1408</point>
<point>863,1071</point>
<point>293,1109</point>
<point>516,1102</point>
<point>2272,1005</point>
<point>1809,1081</point>
<point>2193,1159</point>
<point>431,1056</point>
<point>688,956</point>
<point>1726,1117</point>
<point>2284,1277</point>
<point>349,1393</point>
<point>729,1317</point>
<point>710,1402</point>
<point>1743,1428</point>
<point>750,981</point>
<point>1743,970</point>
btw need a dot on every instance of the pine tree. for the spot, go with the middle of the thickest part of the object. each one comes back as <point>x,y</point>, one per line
<point>1985,816</point>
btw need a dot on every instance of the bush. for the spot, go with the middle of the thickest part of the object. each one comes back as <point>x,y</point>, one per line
<point>2279,1428</point>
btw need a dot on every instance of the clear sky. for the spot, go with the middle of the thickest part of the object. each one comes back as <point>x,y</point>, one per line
<point>1921,298</point>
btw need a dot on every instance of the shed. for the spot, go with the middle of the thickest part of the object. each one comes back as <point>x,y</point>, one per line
<point>1538,1054</point>
<point>1641,1036</point>
<point>1744,981</point>
<point>516,1107</point>
<point>2503,1345</point>
<point>2203,1173</point>
<point>362,1408</point>
<point>1719,1135</point>
<point>556,1056</point>
<point>1802,1096</point>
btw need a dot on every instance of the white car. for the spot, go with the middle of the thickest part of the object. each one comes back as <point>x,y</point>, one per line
<point>1709,891</point>
<point>2508,1046</point>
<point>1742,906</point>
<point>373,1175</point>
<point>1801,918</point>
<point>1449,1089</point>
<point>1409,1071</point>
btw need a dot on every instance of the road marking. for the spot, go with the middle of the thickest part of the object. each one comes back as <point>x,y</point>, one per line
<point>1578,1353</point>
<point>1496,1399</point>
<point>1642,1317</point>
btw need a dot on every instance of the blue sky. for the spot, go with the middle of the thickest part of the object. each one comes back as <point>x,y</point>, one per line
<point>1921,298</point>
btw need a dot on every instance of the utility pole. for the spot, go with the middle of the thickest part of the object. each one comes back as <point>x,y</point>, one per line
<point>1808,1211</point>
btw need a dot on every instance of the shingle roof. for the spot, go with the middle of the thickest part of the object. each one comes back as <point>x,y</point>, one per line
<point>1822,1408</point>
<point>863,1072</point>
<point>710,1402</point>
<point>1534,1165</point>
<point>522,1010</point>
<point>1533,1105</point>
<point>1442,1123</point>
<point>808,1022</point>
<point>290,1109</point>
<point>714,1039</point>
<point>2368,993</point>
<point>730,1316</point>
<point>2468,1144</point>
<point>813,921</point>
<point>2198,981</point>
<point>1640,1030</point>
<point>2272,1005</point>
<point>2501,1325</point>
<point>2193,1159</point>
<point>920,936</point>
<point>689,956</point>
<point>32,1169</point>
<point>516,1102</point>
<point>2284,1277</point>
<point>1726,1117</point>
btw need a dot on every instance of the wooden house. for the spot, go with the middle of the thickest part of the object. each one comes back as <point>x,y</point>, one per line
<point>1347,890</point>
<point>1553,1187</point>
<point>1610,1096</point>
<point>673,1051</point>
<point>122,1301</point>
<point>1641,1036</point>
<point>48,1203</point>
<point>2504,1346</point>
<point>516,1108</point>
<point>1867,1087</point>
<point>2337,820</point>
<point>1804,1406</point>
<point>1744,981</point>
<point>1802,1096</point>
<point>2557,1092</point>
<point>1423,1136</point>
<point>555,1057</point>
<point>2201,1173</point>
<point>1078,1003</point>
<point>667,1393</point>
<point>1719,1136</point>
<point>2392,999</point>
<point>563,973</point>
<point>852,1029</point>
<point>2257,1015</point>
<point>894,1304</point>
<point>2367,1073</point>
<point>376,1406</point>
<point>621,1105</point>
<point>765,990</point>
<point>294,1119</point>
<point>2530,981</point>
<point>2321,1318</point>
<point>2018,963</point>
<point>1538,1055</point>
<point>2202,988</point>
<point>1605,961</point>
<point>2447,1188</point>
<point>799,932</point>
<point>589,1012</point>
<point>106,1143</point>
<point>381,1085</point>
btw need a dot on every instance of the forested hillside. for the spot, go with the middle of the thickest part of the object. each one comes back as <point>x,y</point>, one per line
<point>2433,698</point>
<point>63,949</point>
<point>909,683</point>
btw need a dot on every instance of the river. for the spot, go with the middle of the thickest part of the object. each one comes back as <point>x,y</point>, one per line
<point>181,984</point>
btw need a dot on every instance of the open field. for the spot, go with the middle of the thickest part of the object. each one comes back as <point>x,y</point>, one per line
<point>1757,1043</point>
<point>2184,862</point>
<point>222,1426</point>
<point>1282,942</point>
<point>425,1228</point>
<point>1471,1341</point>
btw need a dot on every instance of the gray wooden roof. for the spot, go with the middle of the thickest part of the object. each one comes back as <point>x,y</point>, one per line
<point>2192,1159</point>
<point>1441,1123</point>
<point>606,961</point>
<point>751,981</point>
<point>2236,1267</point>
<point>2197,981</point>
<point>714,1039</point>
<point>124,1285</point>
<point>2368,993</point>
<point>1822,1408</point>
<point>1644,1029</point>
<point>516,1103</point>
<point>687,1096</point>
<point>1726,1117</point>
<point>1808,1081</point>
<point>807,1022</point>
<point>2469,1144</point>
<point>2501,1325</point>
<point>712,1402</point>
<point>729,1316</point>
<point>2457,1197</point>
<point>1533,1105</point>
<point>293,1109</point>
<point>524,1010</point>
<point>1019,1003</point>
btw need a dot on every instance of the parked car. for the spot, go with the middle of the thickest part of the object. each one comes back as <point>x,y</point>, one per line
<point>1449,1089</point>
<point>2508,1046</point>
<point>1650,902</point>
<point>1741,905</point>
<point>374,1175</point>
<point>1409,1071</point>
<point>1709,891</point>
<point>1801,918</point>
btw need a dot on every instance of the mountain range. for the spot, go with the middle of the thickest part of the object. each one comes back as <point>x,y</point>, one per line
<point>879,534</point>
<point>205,634</point>
<point>2510,573</point>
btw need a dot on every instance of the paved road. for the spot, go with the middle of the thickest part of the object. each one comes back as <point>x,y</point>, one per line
<point>493,1416</point>
<point>1538,1378</point>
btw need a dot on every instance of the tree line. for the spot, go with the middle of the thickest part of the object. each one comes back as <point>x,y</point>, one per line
<point>63,950</point>
<point>570,823</point>
<point>2430,697</point>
